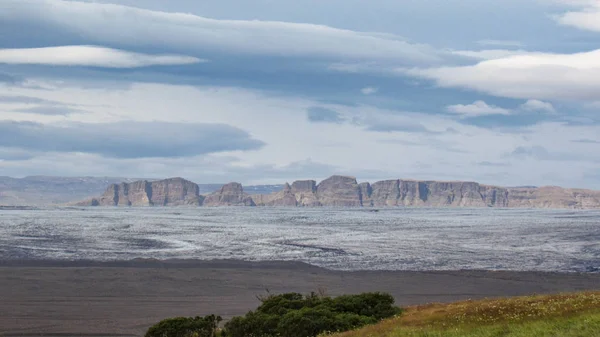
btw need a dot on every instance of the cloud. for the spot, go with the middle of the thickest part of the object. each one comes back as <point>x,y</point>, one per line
<point>505,43</point>
<point>395,125</point>
<point>478,108</point>
<point>588,18</point>
<point>537,105</point>
<point>593,175</point>
<point>38,106</point>
<point>279,121</point>
<point>592,105</point>
<point>541,153</point>
<point>50,110</point>
<point>8,154</point>
<point>538,152</point>
<point>528,76</point>
<point>369,90</point>
<point>428,142</point>
<point>127,139</point>
<point>5,78</point>
<point>106,24</point>
<point>586,141</point>
<point>323,115</point>
<point>370,119</point>
<point>92,56</point>
<point>4,99</point>
<point>490,54</point>
<point>493,164</point>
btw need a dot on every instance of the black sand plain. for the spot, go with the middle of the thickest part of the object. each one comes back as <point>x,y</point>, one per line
<point>82,298</point>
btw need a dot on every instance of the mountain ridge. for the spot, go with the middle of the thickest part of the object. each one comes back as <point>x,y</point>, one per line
<point>58,190</point>
<point>345,191</point>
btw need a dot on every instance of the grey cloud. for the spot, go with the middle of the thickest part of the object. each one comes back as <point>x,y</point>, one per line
<point>594,175</point>
<point>532,151</point>
<point>45,106</point>
<point>492,164</point>
<point>391,121</point>
<point>122,25</point>
<point>586,141</point>
<point>505,43</point>
<point>127,139</point>
<point>426,142</point>
<point>5,78</point>
<point>370,122</point>
<point>541,153</point>
<point>8,154</point>
<point>27,100</point>
<point>51,110</point>
<point>323,115</point>
<point>382,126</point>
<point>400,142</point>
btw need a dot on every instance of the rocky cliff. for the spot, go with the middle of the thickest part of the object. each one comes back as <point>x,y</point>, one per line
<point>343,191</point>
<point>231,194</point>
<point>305,192</point>
<point>168,192</point>
<point>553,197</point>
<point>339,191</point>
<point>283,198</point>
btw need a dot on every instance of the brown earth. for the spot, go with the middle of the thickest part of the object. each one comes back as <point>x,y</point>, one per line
<point>125,298</point>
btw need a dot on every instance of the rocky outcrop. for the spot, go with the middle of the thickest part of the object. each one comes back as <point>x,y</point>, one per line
<point>451,194</point>
<point>390,193</point>
<point>553,197</point>
<point>342,191</point>
<point>386,193</point>
<point>283,198</point>
<point>339,191</point>
<point>366,190</point>
<point>175,191</point>
<point>305,192</point>
<point>168,192</point>
<point>231,194</point>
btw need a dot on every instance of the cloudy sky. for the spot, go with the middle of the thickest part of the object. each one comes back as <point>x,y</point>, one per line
<point>501,92</point>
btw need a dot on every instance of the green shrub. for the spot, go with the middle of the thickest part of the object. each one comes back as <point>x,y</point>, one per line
<point>307,322</point>
<point>377,305</point>
<point>186,327</point>
<point>254,324</point>
<point>296,315</point>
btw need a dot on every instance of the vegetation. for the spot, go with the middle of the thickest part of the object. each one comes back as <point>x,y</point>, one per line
<point>289,315</point>
<point>296,315</point>
<point>186,327</point>
<point>566,315</point>
<point>374,315</point>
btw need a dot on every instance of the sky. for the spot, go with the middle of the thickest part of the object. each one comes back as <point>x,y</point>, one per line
<point>267,91</point>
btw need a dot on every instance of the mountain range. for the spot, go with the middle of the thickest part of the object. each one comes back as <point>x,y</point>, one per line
<point>52,190</point>
<point>344,191</point>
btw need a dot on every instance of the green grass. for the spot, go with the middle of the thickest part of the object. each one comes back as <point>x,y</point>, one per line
<point>565,315</point>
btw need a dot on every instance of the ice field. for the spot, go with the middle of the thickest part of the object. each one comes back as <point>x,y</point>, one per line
<point>345,239</point>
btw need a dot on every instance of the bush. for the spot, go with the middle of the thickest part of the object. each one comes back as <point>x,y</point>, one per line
<point>308,322</point>
<point>296,315</point>
<point>186,327</point>
<point>254,324</point>
<point>376,305</point>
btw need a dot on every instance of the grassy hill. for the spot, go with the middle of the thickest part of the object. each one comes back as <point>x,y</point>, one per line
<point>565,315</point>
